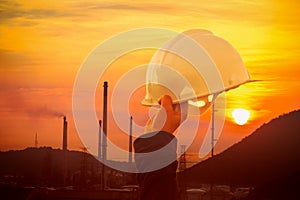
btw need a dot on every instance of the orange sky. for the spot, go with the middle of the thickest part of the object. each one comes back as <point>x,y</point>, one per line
<point>43,44</point>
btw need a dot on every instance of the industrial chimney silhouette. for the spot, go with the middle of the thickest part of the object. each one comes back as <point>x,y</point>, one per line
<point>100,141</point>
<point>104,134</point>
<point>130,141</point>
<point>65,134</point>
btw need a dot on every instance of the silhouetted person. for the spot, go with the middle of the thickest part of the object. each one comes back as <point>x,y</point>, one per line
<point>160,184</point>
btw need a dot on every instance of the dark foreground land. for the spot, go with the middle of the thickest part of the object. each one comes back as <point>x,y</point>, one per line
<point>50,194</point>
<point>263,166</point>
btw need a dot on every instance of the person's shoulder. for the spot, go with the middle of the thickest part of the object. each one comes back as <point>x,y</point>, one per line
<point>156,136</point>
<point>153,141</point>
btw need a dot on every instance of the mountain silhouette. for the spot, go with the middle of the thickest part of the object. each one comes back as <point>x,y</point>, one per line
<point>269,156</point>
<point>45,166</point>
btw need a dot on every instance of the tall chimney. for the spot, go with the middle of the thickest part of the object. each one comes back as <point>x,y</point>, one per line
<point>65,134</point>
<point>36,143</point>
<point>99,140</point>
<point>104,141</point>
<point>130,141</point>
<point>104,135</point>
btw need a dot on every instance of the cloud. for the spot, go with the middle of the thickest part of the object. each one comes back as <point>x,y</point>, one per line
<point>122,6</point>
<point>115,7</point>
<point>29,102</point>
<point>11,59</point>
<point>11,10</point>
<point>232,11</point>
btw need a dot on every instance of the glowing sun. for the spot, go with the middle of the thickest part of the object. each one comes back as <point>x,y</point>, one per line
<point>240,116</point>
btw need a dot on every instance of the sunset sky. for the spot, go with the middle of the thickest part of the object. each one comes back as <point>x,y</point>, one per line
<point>43,44</point>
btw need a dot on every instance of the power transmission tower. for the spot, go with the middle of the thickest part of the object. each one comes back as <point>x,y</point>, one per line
<point>182,159</point>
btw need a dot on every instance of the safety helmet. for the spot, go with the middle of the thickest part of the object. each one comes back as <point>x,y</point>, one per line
<point>194,67</point>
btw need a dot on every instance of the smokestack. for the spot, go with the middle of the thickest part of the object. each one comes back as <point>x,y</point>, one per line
<point>104,144</point>
<point>36,143</point>
<point>99,140</point>
<point>65,134</point>
<point>104,135</point>
<point>130,141</point>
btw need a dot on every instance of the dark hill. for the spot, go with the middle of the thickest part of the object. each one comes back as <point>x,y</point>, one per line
<point>270,154</point>
<point>33,166</point>
<point>47,167</point>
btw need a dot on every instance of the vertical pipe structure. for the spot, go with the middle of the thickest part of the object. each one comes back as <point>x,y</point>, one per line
<point>104,139</point>
<point>65,134</point>
<point>182,159</point>
<point>212,129</point>
<point>36,140</point>
<point>104,135</point>
<point>64,148</point>
<point>130,141</point>
<point>212,148</point>
<point>99,140</point>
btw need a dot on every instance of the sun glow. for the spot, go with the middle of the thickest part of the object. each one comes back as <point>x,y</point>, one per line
<point>240,116</point>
